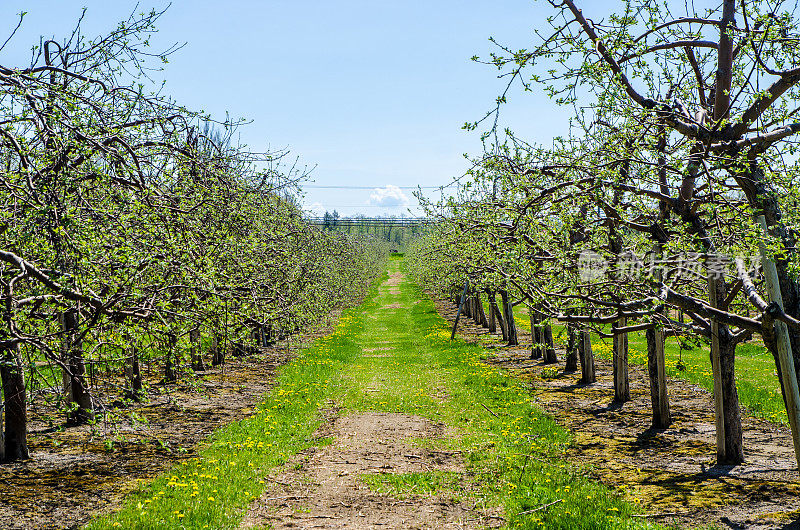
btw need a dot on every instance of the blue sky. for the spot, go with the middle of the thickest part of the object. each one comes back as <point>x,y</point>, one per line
<point>369,93</point>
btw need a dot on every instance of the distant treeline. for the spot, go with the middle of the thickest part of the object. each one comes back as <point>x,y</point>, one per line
<point>397,231</point>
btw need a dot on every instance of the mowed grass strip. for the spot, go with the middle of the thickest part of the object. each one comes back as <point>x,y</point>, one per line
<point>513,453</point>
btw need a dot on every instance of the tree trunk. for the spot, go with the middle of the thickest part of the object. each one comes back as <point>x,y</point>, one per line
<point>492,321</point>
<point>622,391</point>
<point>571,364</point>
<point>197,350</point>
<point>218,353</point>
<point>726,398</point>
<point>15,443</point>
<point>508,317</point>
<point>658,382</point>
<point>497,313</point>
<point>481,311</point>
<point>75,374</point>
<point>734,447</point>
<point>170,366</point>
<point>549,348</point>
<point>536,341</point>
<point>588,375</point>
<point>134,374</point>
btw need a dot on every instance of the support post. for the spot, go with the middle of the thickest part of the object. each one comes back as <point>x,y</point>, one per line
<point>790,387</point>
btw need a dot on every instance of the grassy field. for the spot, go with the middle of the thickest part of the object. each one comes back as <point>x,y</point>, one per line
<point>513,453</point>
<point>756,378</point>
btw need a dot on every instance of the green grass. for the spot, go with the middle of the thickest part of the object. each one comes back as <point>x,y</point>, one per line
<point>513,453</point>
<point>401,484</point>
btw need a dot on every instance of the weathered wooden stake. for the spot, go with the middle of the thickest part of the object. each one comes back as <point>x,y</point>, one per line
<point>588,375</point>
<point>716,371</point>
<point>658,383</point>
<point>788,374</point>
<point>622,391</point>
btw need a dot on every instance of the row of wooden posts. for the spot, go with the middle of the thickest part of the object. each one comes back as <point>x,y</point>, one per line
<point>579,346</point>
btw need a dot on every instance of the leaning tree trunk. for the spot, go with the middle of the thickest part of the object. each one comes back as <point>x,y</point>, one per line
<point>75,373</point>
<point>12,375</point>
<point>622,391</point>
<point>508,317</point>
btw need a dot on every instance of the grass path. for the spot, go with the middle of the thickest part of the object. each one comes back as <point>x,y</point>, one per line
<point>389,367</point>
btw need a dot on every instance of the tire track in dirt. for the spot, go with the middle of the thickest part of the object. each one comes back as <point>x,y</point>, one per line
<point>321,488</point>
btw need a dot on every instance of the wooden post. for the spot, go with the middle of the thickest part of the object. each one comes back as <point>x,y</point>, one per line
<point>656,361</point>
<point>460,307</point>
<point>788,374</point>
<point>588,375</point>
<point>500,319</point>
<point>658,387</point>
<point>716,371</point>
<point>622,391</point>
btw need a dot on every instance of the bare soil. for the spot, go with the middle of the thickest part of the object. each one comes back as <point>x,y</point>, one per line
<point>321,487</point>
<point>672,471</point>
<point>76,472</point>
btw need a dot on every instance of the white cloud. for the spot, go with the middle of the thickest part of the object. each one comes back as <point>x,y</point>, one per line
<point>388,197</point>
<point>317,208</point>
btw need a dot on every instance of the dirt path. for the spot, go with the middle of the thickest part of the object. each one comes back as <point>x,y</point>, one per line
<point>376,468</point>
<point>322,487</point>
<point>672,472</point>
